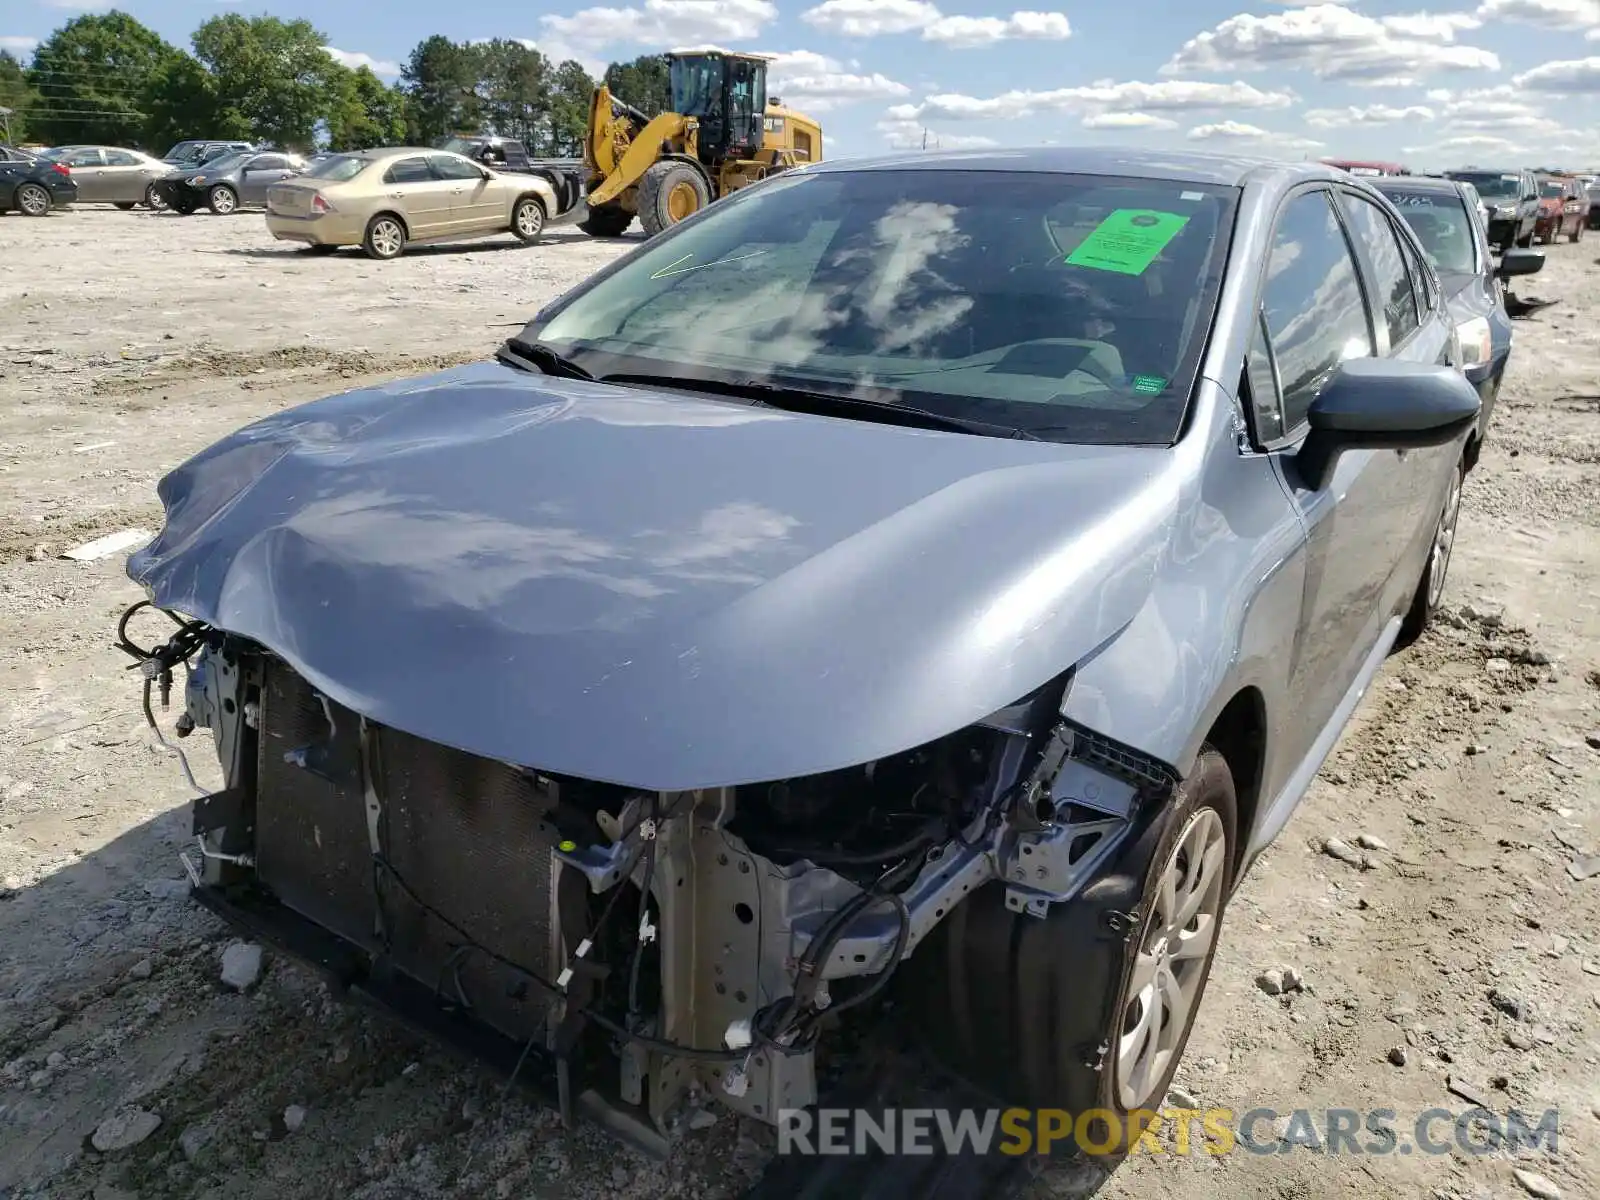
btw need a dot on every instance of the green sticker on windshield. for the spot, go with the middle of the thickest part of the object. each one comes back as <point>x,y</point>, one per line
<point>1148,385</point>
<point>1127,241</point>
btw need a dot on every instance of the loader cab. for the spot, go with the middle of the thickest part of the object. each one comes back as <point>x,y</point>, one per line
<point>727,95</point>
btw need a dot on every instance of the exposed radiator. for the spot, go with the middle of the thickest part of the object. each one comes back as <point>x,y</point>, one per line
<point>464,833</point>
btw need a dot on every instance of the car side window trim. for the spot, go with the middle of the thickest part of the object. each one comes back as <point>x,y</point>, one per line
<point>1293,436</point>
<point>1378,314</point>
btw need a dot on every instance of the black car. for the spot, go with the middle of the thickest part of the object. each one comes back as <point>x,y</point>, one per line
<point>1511,195</point>
<point>1448,220</point>
<point>34,186</point>
<point>226,184</point>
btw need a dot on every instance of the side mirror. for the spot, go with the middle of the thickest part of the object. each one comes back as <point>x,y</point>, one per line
<point>1517,261</point>
<point>1382,404</point>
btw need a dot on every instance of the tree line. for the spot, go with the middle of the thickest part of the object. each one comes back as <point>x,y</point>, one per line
<point>107,79</point>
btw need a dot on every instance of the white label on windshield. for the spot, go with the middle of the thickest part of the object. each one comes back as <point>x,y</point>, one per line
<point>1192,196</point>
<point>1512,178</point>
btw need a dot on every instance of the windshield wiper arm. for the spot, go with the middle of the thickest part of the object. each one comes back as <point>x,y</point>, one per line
<point>518,353</point>
<point>795,399</point>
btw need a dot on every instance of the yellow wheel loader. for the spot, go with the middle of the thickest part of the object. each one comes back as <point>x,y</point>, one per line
<point>722,134</point>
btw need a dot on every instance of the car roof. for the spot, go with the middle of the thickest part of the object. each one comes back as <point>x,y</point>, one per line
<point>383,152</point>
<point>1420,183</point>
<point>1228,170</point>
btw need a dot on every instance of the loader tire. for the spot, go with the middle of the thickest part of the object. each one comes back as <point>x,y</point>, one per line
<point>608,221</point>
<point>670,191</point>
<point>1038,1011</point>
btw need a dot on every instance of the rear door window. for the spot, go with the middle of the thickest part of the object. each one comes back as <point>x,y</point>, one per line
<point>1316,311</point>
<point>90,157</point>
<point>409,170</point>
<point>121,158</point>
<point>1393,296</point>
<point>448,166</point>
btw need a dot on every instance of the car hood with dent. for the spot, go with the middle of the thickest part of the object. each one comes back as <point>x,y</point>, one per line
<point>654,589</point>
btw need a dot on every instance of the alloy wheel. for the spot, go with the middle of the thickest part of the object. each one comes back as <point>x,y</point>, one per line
<point>1173,958</point>
<point>1444,540</point>
<point>33,200</point>
<point>153,200</point>
<point>387,238</point>
<point>222,201</point>
<point>530,219</point>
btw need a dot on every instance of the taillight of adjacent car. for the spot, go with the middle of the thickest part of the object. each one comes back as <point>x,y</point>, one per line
<point>319,204</point>
<point>62,168</point>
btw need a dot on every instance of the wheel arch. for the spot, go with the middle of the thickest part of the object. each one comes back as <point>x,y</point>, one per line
<point>388,212</point>
<point>1239,734</point>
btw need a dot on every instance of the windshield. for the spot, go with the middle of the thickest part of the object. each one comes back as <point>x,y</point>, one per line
<point>1494,185</point>
<point>457,145</point>
<point>696,85</point>
<point>1442,225</point>
<point>1074,307</point>
<point>337,169</point>
<point>1552,189</point>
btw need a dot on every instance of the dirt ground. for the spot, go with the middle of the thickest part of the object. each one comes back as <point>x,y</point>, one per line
<point>1467,955</point>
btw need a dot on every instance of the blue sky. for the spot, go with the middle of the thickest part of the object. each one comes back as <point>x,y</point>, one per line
<point>1489,80</point>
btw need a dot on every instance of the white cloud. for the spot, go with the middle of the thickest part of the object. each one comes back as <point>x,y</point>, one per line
<point>1572,75</point>
<point>1371,114</point>
<point>1472,141</point>
<point>354,59</point>
<point>1551,14</point>
<point>79,5</point>
<point>1334,42</point>
<point>1441,27</point>
<point>1251,135</point>
<point>1232,130</point>
<point>1103,96</point>
<point>807,80</point>
<point>961,33</point>
<point>876,18</point>
<point>1127,120</point>
<point>21,47</point>
<point>660,23</point>
<point>903,134</point>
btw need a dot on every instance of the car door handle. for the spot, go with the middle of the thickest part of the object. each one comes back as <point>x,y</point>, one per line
<point>457,191</point>
<point>397,195</point>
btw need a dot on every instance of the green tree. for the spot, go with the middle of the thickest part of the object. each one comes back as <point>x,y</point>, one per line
<point>181,101</point>
<point>16,95</point>
<point>364,113</point>
<point>91,76</point>
<point>442,80</point>
<point>644,83</point>
<point>571,92</point>
<point>513,89</point>
<point>273,73</point>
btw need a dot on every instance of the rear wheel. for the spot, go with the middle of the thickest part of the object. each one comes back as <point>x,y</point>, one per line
<point>670,191</point>
<point>222,200</point>
<point>385,237</point>
<point>1430,588</point>
<point>33,200</point>
<point>1081,1009</point>
<point>606,221</point>
<point>527,219</point>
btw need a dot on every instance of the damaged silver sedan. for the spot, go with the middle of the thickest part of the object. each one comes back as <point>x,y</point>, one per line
<point>933,578</point>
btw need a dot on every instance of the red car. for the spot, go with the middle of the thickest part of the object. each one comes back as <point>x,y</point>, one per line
<point>1357,167</point>
<point>1563,208</point>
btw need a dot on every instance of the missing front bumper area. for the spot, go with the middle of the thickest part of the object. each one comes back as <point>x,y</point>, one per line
<point>638,952</point>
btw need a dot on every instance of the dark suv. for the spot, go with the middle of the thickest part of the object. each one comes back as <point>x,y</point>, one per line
<point>1511,196</point>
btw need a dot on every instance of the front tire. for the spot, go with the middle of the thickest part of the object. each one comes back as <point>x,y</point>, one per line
<point>608,221</point>
<point>222,200</point>
<point>32,200</point>
<point>527,220</point>
<point>153,200</point>
<point>1429,596</point>
<point>385,237</point>
<point>670,191</point>
<point>1079,1010</point>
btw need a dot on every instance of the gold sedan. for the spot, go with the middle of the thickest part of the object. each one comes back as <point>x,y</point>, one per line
<point>385,200</point>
